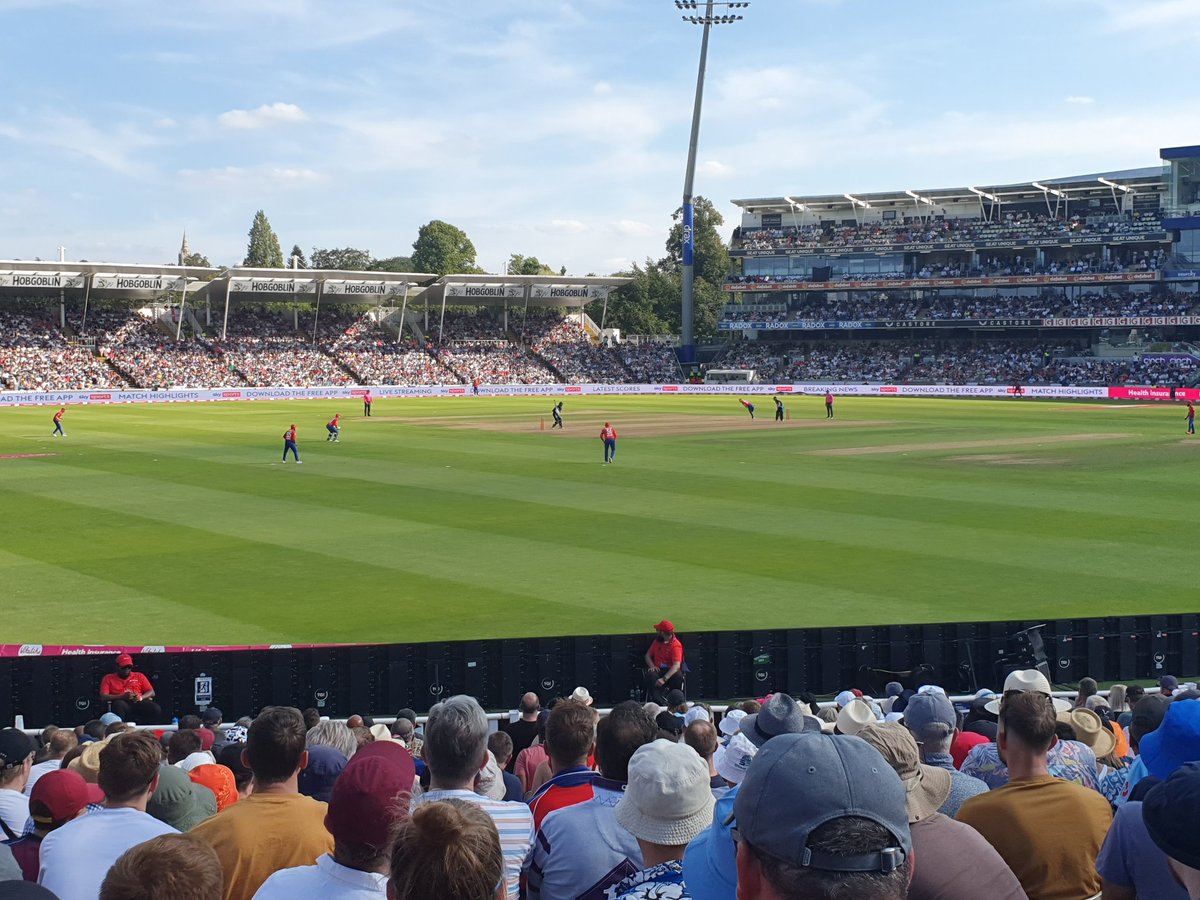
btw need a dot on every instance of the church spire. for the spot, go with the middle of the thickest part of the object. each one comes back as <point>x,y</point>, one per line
<point>184,252</point>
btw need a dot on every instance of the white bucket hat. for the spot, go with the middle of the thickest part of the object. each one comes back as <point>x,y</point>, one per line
<point>667,799</point>
<point>731,722</point>
<point>735,761</point>
<point>1027,680</point>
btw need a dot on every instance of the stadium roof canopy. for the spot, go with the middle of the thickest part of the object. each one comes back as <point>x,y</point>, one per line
<point>570,291</point>
<point>1127,181</point>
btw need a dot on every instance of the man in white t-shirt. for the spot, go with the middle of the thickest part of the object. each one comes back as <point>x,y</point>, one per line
<point>16,759</point>
<point>60,743</point>
<point>76,857</point>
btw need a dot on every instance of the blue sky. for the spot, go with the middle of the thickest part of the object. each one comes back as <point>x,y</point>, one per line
<point>546,128</point>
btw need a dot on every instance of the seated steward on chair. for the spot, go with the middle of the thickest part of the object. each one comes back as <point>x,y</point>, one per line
<point>130,694</point>
<point>664,663</point>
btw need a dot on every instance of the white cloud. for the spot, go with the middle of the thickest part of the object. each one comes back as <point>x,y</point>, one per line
<point>263,117</point>
<point>601,88</point>
<point>259,176</point>
<point>568,226</point>
<point>1081,100</point>
<point>714,168</point>
<point>634,229</point>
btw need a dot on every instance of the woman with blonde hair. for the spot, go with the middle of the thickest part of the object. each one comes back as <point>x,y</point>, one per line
<point>1116,699</point>
<point>447,850</point>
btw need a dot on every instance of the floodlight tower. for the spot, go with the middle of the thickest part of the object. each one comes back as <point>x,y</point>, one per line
<point>687,340</point>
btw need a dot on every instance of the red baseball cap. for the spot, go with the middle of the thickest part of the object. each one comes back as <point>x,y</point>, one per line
<point>124,660</point>
<point>371,795</point>
<point>664,625</point>
<point>58,796</point>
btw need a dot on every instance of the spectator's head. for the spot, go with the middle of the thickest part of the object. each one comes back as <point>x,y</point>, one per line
<point>60,796</point>
<point>456,742</point>
<point>445,850</point>
<point>581,695</point>
<point>676,701</point>
<point>189,722</point>
<point>854,717</point>
<point>1025,681</point>
<point>667,801</point>
<point>178,866</point>
<point>570,734</point>
<point>16,758</point>
<point>701,736</point>
<point>232,757</point>
<point>124,665</point>
<point>1133,694</point>
<point>736,759</point>
<point>275,750</point>
<point>1087,688</point>
<point>1148,714</point>
<point>932,721</point>
<point>311,717</point>
<point>369,798</point>
<point>821,816</point>
<point>60,743</point>
<point>403,729</point>
<point>670,726</point>
<point>779,715</point>
<point>211,717</point>
<point>619,735</point>
<point>1174,742</point>
<point>1088,726</point>
<point>332,734</point>
<point>179,802</point>
<point>218,779</point>
<point>1027,722</point>
<point>93,730</point>
<point>501,746</point>
<point>731,722</point>
<point>128,772</point>
<point>926,787</point>
<point>409,714</point>
<point>182,745</point>
<point>355,721</point>
<point>1167,806</point>
<point>362,736</point>
<point>1167,685</point>
<point>664,629</point>
<point>320,775</point>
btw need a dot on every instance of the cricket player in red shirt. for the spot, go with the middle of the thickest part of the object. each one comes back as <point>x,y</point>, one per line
<point>664,663</point>
<point>289,443</point>
<point>608,434</point>
<point>334,428</point>
<point>58,429</point>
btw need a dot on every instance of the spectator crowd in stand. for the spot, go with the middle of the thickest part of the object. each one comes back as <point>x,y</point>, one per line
<point>908,795</point>
<point>941,307</point>
<point>1013,226</point>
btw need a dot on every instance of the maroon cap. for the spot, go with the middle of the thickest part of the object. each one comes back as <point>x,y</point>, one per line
<point>371,795</point>
<point>58,796</point>
<point>124,660</point>
<point>664,625</point>
<point>207,738</point>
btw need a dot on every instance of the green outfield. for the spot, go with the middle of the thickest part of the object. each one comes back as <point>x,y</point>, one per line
<point>450,519</point>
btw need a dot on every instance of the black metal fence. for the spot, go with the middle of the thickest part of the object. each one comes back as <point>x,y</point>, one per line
<point>379,679</point>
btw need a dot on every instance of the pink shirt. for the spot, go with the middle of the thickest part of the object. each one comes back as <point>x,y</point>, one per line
<point>829,399</point>
<point>527,763</point>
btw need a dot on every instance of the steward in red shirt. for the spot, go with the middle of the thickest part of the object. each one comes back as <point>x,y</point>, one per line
<point>664,663</point>
<point>130,695</point>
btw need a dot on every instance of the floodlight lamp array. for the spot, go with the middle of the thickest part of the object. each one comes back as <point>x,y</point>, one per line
<point>712,20</point>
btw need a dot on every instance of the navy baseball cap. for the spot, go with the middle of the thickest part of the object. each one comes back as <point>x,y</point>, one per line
<point>799,782</point>
<point>1166,809</point>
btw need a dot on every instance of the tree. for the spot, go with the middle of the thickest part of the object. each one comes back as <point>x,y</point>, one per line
<point>347,258</point>
<point>393,264</point>
<point>711,257</point>
<point>637,307</point>
<point>527,265</point>
<point>296,258</point>
<point>263,251</point>
<point>445,249</point>
<point>197,259</point>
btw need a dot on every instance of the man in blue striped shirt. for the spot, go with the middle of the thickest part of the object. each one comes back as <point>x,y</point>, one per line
<point>456,750</point>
